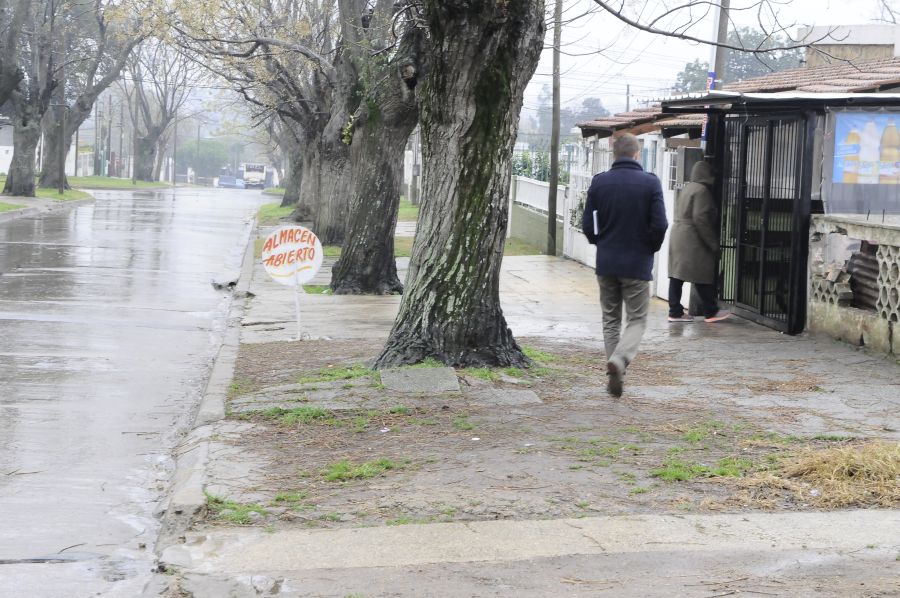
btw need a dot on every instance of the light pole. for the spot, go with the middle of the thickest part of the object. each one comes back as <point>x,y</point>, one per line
<point>61,123</point>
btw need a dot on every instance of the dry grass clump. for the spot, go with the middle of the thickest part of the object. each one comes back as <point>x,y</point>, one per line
<point>855,474</point>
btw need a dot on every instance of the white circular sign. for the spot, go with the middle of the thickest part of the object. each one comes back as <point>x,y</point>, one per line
<point>292,255</point>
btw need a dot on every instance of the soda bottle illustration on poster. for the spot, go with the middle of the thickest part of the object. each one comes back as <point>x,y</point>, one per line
<point>848,153</point>
<point>890,155</point>
<point>869,154</point>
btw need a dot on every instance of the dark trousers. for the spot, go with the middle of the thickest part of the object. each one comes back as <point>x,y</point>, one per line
<point>707,294</point>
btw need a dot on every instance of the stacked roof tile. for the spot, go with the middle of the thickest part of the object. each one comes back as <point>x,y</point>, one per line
<point>869,76</point>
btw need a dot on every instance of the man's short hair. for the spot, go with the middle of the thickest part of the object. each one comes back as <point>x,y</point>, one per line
<point>626,146</point>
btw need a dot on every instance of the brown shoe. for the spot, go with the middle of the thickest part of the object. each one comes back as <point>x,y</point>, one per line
<point>615,383</point>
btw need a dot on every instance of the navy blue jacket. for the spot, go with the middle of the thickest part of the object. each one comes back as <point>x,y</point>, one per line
<point>631,220</point>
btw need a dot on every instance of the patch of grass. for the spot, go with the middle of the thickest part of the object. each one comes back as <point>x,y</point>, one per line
<point>233,512</point>
<point>700,432</point>
<point>332,250</point>
<point>400,410</point>
<point>408,211</point>
<point>612,451</point>
<point>333,517</point>
<point>423,421</point>
<point>516,246</point>
<point>103,182</point>
<point>514,372</point>
<point>630,430</point>
<point>482,374</point>
<point>448,511</point>
<point>279,191</point>
<point>403,246</point>
<point>770,439</point>
<point>9,207</point>
<point>292,500</point>
<point>238,387</point>
<point>626,476</point>
<point>68,194</point>
<point>462,423</point>
<point>331,374</point>
<point>400,521</point>
<point>317,289</point>
<point>360,424</point>
<point>638,490</point>
<point>271,213</point>
<point>428,362</point>
<point>300,415</point>
<point>582,504</point>
<point>676,470</point>
<point>538,355</point>
<point>346,470</point>
<point>731,467</point>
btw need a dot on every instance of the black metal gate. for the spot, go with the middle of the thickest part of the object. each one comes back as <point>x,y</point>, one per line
<point>765,218</point>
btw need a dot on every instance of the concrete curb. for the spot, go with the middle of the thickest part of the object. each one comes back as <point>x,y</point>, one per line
<point>40,206</point>
<point>20,213</point>
<point>186,495</point>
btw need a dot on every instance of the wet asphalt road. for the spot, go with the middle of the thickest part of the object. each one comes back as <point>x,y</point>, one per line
<point>108,326</point>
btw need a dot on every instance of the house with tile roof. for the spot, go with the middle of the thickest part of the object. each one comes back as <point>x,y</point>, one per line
<point>813,146</point>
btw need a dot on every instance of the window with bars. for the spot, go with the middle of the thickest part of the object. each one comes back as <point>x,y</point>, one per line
<point>672,175</point>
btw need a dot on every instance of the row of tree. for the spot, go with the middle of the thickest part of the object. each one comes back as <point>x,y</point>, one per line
<point>340,85</point>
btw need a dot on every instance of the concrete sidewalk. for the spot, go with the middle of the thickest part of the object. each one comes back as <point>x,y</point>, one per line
<point>735,365</point>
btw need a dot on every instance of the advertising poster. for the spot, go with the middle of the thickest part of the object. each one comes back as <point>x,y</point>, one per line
<point>865,173</point>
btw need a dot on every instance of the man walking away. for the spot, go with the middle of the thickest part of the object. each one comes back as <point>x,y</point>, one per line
<point>626,219</point>
<point>694,246</point>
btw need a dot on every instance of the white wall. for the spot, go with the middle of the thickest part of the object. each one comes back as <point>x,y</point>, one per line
<point>535,194</point>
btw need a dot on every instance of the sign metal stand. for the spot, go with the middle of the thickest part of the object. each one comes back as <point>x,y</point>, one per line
<point>293,255</point>
<point>297,292</point>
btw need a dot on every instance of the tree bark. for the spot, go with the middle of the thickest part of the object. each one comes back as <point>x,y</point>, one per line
<point>309,183</point>
<point>294,178</point>
<point>481,55</point>
<point>26,134</point>
<point>381,129</point>
<point>145,159</point>
<point>75,117</point>
<point>330,223</point>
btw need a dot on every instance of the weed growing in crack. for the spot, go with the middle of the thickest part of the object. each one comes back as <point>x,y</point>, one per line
<point>346,470</point>
<point>233,512</point>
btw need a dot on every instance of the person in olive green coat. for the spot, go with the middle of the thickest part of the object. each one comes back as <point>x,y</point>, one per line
<point>694,246</point>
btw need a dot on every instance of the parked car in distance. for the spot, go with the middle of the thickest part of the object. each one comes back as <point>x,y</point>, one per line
<point>230,182</point>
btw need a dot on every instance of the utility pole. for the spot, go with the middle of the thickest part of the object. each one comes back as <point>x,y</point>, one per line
<point>197,153</point>
<point>554,134</point>
<point>109,139</point>
<point>716,69</point>
<point>76,150</point>
<point>134,138</point>
<point>121,137</point>
<point>61,123</point>
<point>96,138</point>
<point>175,151</point>
<point>628,98</point>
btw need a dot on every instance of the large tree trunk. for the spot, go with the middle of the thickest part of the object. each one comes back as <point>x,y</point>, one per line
<point>50,171</point>
<point>481,55</point>
<point>75,117</point>
<point>330,222</point>
<point>145,158</point>
<point>309,197</point>
<point>26,134</point>
<point>380,131</point>
<point>294,178</point>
